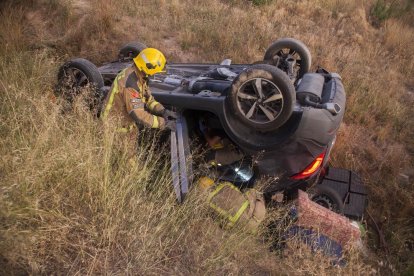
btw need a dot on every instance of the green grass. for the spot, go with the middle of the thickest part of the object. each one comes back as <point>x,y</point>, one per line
<point>383,10</point>
<point>261,2</point>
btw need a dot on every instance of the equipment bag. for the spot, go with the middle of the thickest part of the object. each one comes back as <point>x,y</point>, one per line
<point>233,206</point>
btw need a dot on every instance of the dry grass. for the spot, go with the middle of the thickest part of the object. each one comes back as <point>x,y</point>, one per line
<point>72,203</point>
<point>399,38</point>
<point>69,203</point>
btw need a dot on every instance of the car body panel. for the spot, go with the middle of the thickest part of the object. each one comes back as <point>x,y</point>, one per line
<point>280,153</point>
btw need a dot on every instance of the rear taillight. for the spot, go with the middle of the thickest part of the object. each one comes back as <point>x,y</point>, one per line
<point>311,169</point>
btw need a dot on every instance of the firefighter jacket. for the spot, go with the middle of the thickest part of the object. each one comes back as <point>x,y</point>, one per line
<point>131,99</point>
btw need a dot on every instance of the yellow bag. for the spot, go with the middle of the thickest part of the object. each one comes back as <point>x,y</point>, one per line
<point>235,207</point>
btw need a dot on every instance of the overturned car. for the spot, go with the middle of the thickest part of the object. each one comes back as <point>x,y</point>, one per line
<point>281,117</point>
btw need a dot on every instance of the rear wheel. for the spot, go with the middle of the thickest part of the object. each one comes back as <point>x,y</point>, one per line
<point>131,50</point>
<point>262,97</point>
<point>291,56</point>
<point>327,197</point>
<point>79,75</point>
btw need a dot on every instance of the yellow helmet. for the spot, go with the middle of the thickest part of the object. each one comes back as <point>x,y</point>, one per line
<point>150,61</point>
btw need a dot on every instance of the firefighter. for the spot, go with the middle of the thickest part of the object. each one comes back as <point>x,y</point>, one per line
<point>130,98</point>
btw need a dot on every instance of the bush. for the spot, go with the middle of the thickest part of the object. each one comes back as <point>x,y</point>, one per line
<point>382,10</point>
<point>261,2</point>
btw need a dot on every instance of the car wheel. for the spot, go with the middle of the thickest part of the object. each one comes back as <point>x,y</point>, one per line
<point>262,97</point>
<point>327,197</point>
<point>76,75</point>
<point>131,50</point>
<point>290,55</point>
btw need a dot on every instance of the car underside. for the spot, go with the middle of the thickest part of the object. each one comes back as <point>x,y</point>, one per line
<point>280,116</point>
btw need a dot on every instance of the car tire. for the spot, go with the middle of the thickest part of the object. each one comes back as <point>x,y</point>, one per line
<point>131,50</point>
<point>327,197</point>
<point>262,97</point>
<point>284,48</point>
<point>77,74</point>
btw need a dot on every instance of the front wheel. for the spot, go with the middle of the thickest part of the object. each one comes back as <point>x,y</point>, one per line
<point>79,75</point>
<point>131,50</point>
<point>262,97</point>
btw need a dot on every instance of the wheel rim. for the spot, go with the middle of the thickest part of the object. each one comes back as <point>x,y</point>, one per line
<point>325,201</point>
<point>72,83</point>
<point>74,79</point>
<point>260,100</point>
<point>288,57</point>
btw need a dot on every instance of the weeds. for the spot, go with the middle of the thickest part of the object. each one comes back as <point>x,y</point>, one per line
<point>71,203</point>
<point>382,10</point>
<point>261,2</point>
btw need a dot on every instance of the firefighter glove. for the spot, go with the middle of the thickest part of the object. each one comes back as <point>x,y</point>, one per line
<point>169,115</point>
<point>170,124</point>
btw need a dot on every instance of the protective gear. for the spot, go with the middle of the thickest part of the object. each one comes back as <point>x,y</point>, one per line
<point>171,125</point>
<point>226,154</point>
<point>222,151</point>
<point>170,118</point>
<point>246,209</point>
<point>205,182</point>
<point>169,115</point>
<point>150,61</point>
<point>130,98</point>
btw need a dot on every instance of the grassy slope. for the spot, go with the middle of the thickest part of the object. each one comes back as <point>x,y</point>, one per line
<point>69,201</point>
